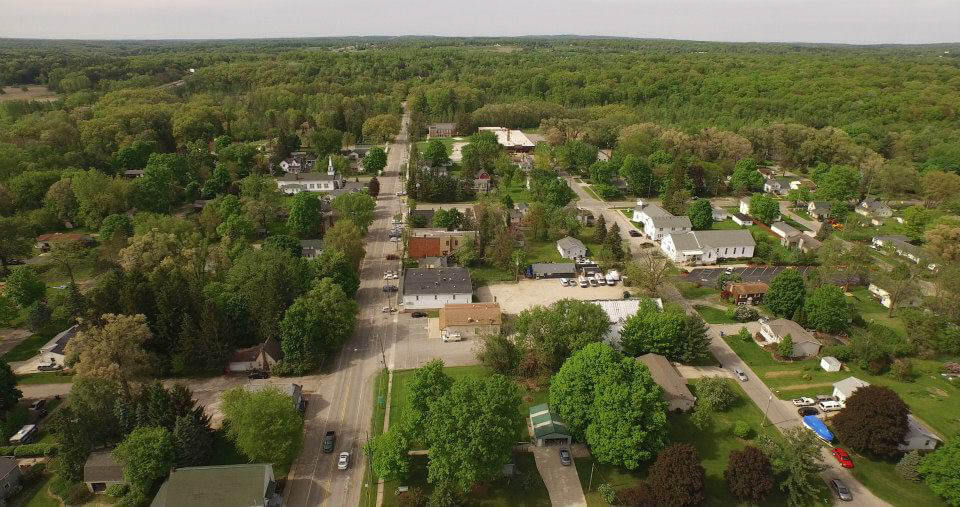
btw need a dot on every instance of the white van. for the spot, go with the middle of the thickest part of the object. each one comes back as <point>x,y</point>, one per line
<point>25,435</point>
<point>600,279</point>
<point>583,282</point>
<point>829,406</point>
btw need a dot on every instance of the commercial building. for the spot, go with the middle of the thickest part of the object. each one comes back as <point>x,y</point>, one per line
<point>470,319</point>
<point>430,289</point>
<point>708,247</point>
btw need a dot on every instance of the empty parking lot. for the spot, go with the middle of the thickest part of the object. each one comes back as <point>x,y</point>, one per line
<point>749,274</point>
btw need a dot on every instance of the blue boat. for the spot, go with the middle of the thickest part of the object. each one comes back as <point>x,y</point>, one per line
<point>817,427</point>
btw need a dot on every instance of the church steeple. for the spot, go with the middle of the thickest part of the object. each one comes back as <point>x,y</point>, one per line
<point>330,170</point>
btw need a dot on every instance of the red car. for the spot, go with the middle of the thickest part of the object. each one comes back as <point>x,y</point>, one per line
<point>842,457</point>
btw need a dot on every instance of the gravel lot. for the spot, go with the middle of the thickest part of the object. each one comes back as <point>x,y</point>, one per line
<point>516,297</point>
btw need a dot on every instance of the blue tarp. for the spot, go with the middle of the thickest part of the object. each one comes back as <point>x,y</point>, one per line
<point>816,425</point>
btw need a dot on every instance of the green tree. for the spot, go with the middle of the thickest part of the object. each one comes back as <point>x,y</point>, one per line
<point>9,311</point>
<point>316,324</point>
<point>798,460</point>
<point>357,207</point>
<point>695,342</point>
<point>908,466</point>
<point>615,243</point>
<point>451,219</point>
<point>873,420</point>
<point>786,294</point>
<point>306,216</point>
<point>264,425</point>
<point>116,225</point>
<point>600,234</point>
<point>436,153</point>
<point>573,388</point>
<point>638,175</point>
<point>9,394</point>
<point>17,240</point>
<point>326,141</point>
<point>838,183</point>
<point>826,309</point>
<point>285,243</point>
<point>388,455</point>
<point>715,392</point>
<point>940,472</point>
<point>746,178</point>
<point>499,353</point>
<point>557,331</point>
<point>429,383</point>
<point>146,455</point>
<point>785,347</point>
<point>24,286</point>
<point>677,477</point>
<point>467,253</point>
<point>652,330</point>
<point>764,208</point>
<point>701,214</point>
<point>334,265</point>
<point>346,237</point>
<point>373,187</point>
<point>375,160</point>
<point>749,475</point>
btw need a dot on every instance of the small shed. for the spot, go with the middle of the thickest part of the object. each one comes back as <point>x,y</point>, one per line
<point>843,389</point>
<point>830,363</point>
<point>101,471</point>
<point>547,428</point>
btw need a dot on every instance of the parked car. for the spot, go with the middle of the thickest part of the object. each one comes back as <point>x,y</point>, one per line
<point>583,282</point>
<point>741,376</point>
<point>343,461</point>
<point>805,411</point>
<point>329,439</point>
<point>829,406</point>
<point>417,315</point>
<point>600,279</point>
<point>452,337</point>
<point>634,233</point>
<point>804,402</point>
<point>257,374</point>
<point>565,282</point>
<point>592,281</point>
<point>49,367</point>
<point>841,490</point>
<point>390,288</point>
<point>842,457</point>
<point>825,397</point>
<point>565,457</point>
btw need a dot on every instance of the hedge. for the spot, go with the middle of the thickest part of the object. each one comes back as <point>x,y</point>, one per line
<point>29,450</point>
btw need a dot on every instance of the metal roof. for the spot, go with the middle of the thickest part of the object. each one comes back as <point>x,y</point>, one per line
<point>545,424</point>
<point>551,268</point>
<point>568,243</point>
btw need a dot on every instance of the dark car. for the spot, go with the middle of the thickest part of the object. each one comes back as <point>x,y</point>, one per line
<point>329,439</point>
<point>634,233</point>
<point>390,288</point>
<point>257,374</point>
<point>565,457</point>
<point>49,367</point>
<point>39,407</point>
<point>417,315</point>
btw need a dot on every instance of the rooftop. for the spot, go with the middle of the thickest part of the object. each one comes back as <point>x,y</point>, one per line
<point>667,377</point>
<point>651,210</point>
<point>452,280</point>
<point>465,314</point>
<point>568,243</point>
<point>784,327</point>
<point>700,240</point>
<point>848,385</point>
<point>545,423</point>
<point>549,268</point>
<point>307,177</point>
<point>102,467</point>
<point>744,288</point>
<point>271,346</point>
<point>509,138</point>
<point>787,229</point>
<point>58,344</point>
<point>217,486</point>
<point>671,221</point>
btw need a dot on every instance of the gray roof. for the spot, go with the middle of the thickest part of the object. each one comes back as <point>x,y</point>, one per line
<point>102,467</point>
<point>669,221</point>
<point>453,280</point>
<point>698,240</point>
<point>7,464</point>
<point>314,245</point>
<point>822,205</point>
<point>307,177</point>
<point>786,228</point>
<point>653,210</point>
<point>850,384</point>
<point>784,327</point>
<point>217,486</point>
<point>550,268</point>
<point>743,218</point>
<point>568,243</point>
<point>444,125</point>
<point>58,344</point>
<point>666,376</point>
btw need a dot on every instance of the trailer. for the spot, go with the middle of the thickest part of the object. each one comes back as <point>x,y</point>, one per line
<point>814,424</point>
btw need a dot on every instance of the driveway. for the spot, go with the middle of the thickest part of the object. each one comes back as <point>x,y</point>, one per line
<point>418,341</point>
<point>562,482</point>
<point>693,372</point>
<point>516,297</point>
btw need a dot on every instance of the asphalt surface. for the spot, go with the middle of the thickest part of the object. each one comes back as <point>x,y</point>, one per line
<point>747,274</point>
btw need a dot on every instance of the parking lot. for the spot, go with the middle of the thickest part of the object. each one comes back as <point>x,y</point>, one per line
<point>416,345</point>
<point>708,276</point>
<point>516,297</point>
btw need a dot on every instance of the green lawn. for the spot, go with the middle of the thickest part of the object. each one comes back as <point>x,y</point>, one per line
<point>518,192</point>
<point>26,349</point>
<point>796,225</point>
<point>447,142</point>
<point>46,377</point>
<point>881,479</point>
<point>592,193</point>
<point>692,291</point>
<point>376,428</point>
<point>802,213</point>
<point>714,315</point>
<point>224,452</point>
<point>36,495</point>
<point>872,311</point>
<point>725,225</point>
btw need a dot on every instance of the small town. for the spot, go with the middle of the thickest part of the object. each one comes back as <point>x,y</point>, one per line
<point>470,272</point>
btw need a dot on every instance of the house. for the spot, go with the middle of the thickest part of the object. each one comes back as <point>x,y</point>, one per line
<point>432,262</point>
<point>708,247</point>
<point>45,241</point>
<point>547,428</point>
<point>675,391</point>
<point>843,389</point>
<point>435,242</point>
<point>919,437</point>
<point>298,162</point>
<point>294,391</point>
<point>516,217</point>
<point>10,477</point>
<point>483,182</point>
<point>441,130</point>
<point>428,289</point>
<point>645,211</point>
<point>804,343</point>
<point>246,485</point>
<point>258,357</point>
<point>777,185</point>
<point>741,219</point>
<point>874,208</point>
<point>102,471</point>
<point>657,227</point>
<point>311,248</point>
<point>819,210</point>
<point>470,319</point>
<point>585,217</point>
<point>356,152</point>
<point>884,298</point>
<point>294,183</point>
<point>899,245</point>
<point>54,351</point>
<point>418,248</point>
<point>830,363</point>
<point>553,270</point>
<point>745,293</point>
<point>133,173</point>
<point>784,230</point>
<point>720,214</point>
<point>514,141</point>
<point>618,311</point>
<point>571,248</point>
<point>434,170</point>
<point>804,242</point>
<point>745,205</point>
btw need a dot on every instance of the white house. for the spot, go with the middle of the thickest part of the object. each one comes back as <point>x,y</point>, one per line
<point>54,351</point>
<point>819,209</point>
<point>776,185</point>
<point>918,437</point>
<point>657,227</point>
<point>707,247</point>
<point>720,214</point>
<point>571,248</point>
<point>843,389</point>
<point>804,343</point>
<point>294,183</point>
<point>259,357</point>
<point>741,219</point>
<point>883,296</point>
<point>899,245</point>
<point>874,208</point>
<point>432,289</point>
<point>745,205</point>
<point>645,210</point>
<point>512,140</point>
<point>784,230</point>
<point>830,363</point>
<point>298,162</point>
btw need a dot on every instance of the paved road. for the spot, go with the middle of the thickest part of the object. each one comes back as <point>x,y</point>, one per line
<point>561,481</point>
<point>342,401</point>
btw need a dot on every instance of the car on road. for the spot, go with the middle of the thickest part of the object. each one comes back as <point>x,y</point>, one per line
<point>804,402</point>
<point>388,309</point>
<point>258,374</point>
<point>634,233</point>
<point>49,367</point>
<point>829,406</point>
<point>565,457</point>
<point>329,439</point>
<point>417,315</point>
<point>390,288</point>
<point>841,490</point>
<point>741,376</point>
<point>842,457</point>
<point>452,337</point>
<point>343,461</point>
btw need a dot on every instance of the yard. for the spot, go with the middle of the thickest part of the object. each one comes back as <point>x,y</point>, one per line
<point>537,251</point>
<point>872,311</point>
<point>26,349</point>
<point>725,225</point>
<point>692,291</point>
<point>713,315</point>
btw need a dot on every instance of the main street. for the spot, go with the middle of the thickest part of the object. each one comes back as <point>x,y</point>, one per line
<point>342,401</point>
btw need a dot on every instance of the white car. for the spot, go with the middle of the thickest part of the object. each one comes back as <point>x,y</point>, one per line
<point>343,461</point>
<point>804,402</point>
<point>453,337</point>
<point>565,282</point>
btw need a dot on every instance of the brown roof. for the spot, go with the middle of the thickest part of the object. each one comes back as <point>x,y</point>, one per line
<point>418,248</point>
<point>270,346</point>
<point>63,236</point>
<point>667,377</point>
<point>102,467</point>
<point>465,314</point>
<point>740,289</point>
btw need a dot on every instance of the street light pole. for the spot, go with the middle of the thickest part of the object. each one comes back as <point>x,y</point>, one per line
<point>763,422</point>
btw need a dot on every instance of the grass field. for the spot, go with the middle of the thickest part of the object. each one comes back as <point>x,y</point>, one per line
<point>26,349</point>
<point>45,377</point>
<point>691,291</point>
<point>447,142</point>
<point>873,311</point>
<point>591,193</point>
<point>36,495</point>
<point>882,479</point>
<point>725,225</point>
<point>713,315</point>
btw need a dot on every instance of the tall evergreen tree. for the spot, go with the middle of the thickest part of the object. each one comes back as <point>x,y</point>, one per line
<point>600,235</point>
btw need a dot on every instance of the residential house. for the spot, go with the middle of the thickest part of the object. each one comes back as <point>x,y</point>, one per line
<point>804,343</point>
<point>743,293</point>
<point>874,208</point>
<point>434,170</point>
<point>657,227</point>
<point>777,185</point>
<point>311,248</point>
<point>470,319</point>
<point>843,389</point>
<point>294,391</point>
<point>645,212</point>
<point>571,248</point>
<point>553,270</point>
<point>101,471</point>
<point>513,140</point>
<point>432,262</point>
<point>54,351</point>
<point>133,173</point>
<point>515,217</point>
<point>899,245</point>
<point>919,437</point>
<point>10,477</point>
<point>441,130</point>
<point>435,242</point>
<point>708,247</point>
<point>45,241</point>
<point>819,210</point>
<point>745,205</point>
<point>298,162</point>
<point>741,219</point>
<point>356,152</point>
<point>260,357</point>
<point>547,428</point>
<point>483,182</point>
<point>585,217</point>
<point>883,296</point>
<point>419,248</point>
<point>784,230</point>
<point>245,485</point>
<point>430,289</point>
<point>720,214</point>
<point>830,363</point>
<point>675,391</point>
<point>294,183</point>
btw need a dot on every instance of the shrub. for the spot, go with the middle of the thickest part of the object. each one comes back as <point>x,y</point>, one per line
<point>34,473</point>
<point>13,421</point>
<point>841,352</point>
<point>742,430</point>
<point>35,450</point>
<point>78,495</point>
<point>607,492</point>
<point>117,490</point>
<point>745,335</point>
<point>414,497</point>
<point>133,498</point>
<point>745,313</point>
<point>607,192</point>
<point>907,467</point>
<point>902,370</point>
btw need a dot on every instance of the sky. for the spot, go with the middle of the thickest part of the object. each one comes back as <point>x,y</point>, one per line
<point>839,21</point>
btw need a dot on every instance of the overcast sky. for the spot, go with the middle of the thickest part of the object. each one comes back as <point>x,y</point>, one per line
<point>844,21</point>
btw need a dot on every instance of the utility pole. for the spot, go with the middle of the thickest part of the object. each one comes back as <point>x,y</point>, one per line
<point>590,486</point>
<point>763,422</point>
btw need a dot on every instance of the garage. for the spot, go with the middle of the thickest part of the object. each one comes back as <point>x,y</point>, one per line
<point>546,428</point>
